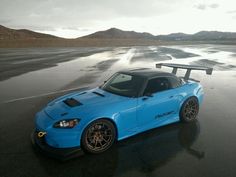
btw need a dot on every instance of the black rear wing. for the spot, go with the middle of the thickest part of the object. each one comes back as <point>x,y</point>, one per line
<point>189,68</point>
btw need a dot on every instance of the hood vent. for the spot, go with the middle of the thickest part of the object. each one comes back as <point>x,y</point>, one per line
<point>72,102</point>
<point>99,94</point>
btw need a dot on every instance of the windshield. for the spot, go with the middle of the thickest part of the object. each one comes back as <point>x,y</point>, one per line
<point>124,85</point>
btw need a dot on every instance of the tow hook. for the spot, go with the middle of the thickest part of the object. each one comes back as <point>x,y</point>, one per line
<point>41,134</point>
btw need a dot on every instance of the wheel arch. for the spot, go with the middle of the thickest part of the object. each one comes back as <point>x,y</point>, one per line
<point>185,99</point>
<point>113,122</point>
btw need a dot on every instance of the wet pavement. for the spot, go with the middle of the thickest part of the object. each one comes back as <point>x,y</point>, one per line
<point>203,148</point>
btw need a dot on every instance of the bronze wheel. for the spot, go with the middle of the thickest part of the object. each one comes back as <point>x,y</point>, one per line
<point>189,110</point>
<point>98,136</point>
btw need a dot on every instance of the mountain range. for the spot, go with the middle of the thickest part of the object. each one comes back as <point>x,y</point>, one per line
<point>114,33</point>
<point>111,37</point>
<point>7,33</point>
<point>202,35</point>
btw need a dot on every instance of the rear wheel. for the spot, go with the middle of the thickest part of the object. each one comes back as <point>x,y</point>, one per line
<point>189,110</point>
<point>98,136</point>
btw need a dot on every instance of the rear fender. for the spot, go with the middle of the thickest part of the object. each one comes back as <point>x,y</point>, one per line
<point>192,89</point>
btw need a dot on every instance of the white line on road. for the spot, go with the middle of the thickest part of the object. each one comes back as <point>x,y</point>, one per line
<point>44,94</point>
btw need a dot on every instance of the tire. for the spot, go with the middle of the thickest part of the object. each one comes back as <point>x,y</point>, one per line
<point>98,136</point>
<point>189,110</point>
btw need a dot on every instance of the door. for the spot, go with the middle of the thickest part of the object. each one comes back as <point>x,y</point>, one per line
<point>158,105</point>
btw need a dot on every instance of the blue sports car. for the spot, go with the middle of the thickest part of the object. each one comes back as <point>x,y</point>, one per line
<point>130,102</point>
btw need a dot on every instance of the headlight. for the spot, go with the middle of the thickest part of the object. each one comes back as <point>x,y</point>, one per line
<point>68,123</point>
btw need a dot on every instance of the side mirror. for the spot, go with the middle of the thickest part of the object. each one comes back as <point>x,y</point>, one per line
<point>102,84</point>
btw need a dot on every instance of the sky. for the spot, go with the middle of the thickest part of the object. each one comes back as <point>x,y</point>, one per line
<point>75,18</point>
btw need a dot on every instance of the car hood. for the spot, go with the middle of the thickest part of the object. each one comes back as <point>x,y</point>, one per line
<point>85,102</point>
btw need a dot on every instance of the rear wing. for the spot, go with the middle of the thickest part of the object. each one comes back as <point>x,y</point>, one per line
<point>189,68</point>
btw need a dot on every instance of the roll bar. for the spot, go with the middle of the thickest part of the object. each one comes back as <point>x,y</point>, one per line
<point>189,68</point>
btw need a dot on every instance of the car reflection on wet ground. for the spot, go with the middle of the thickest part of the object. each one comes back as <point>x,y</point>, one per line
<point>32,77</point>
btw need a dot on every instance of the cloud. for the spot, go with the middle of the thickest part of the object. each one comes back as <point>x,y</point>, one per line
<point>75,28</point>
<point>81,17</point>
<point>32,27</point>
<point>5,21</point>
<point>231,12</point>
<point>213,6</point>
<point>200,6</point>
<point>206,6</point>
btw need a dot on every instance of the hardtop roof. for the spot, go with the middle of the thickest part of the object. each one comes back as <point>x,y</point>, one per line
<point>147,72</point>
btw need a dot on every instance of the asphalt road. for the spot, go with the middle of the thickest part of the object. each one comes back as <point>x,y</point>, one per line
<point>203,148</point>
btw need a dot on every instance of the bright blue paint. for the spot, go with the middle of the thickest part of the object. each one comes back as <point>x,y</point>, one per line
<point>130,115</point>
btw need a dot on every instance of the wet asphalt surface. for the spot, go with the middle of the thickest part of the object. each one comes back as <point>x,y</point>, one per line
<point>206,147</point>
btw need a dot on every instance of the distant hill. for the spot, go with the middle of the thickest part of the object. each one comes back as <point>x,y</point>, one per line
<point>200,36</point>
<point>214,35</point>
<point>11,34</point>
<point>12,38</point>
<point>173,36</point>
<point>114,33</point>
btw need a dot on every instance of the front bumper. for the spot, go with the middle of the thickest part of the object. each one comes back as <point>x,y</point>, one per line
<point>58,153</point>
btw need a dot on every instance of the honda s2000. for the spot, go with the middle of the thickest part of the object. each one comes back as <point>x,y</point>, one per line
<point>130,102</point>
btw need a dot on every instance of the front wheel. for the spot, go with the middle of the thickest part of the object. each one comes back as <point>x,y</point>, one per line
<point>189,110</point>
<point>98,136</point>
